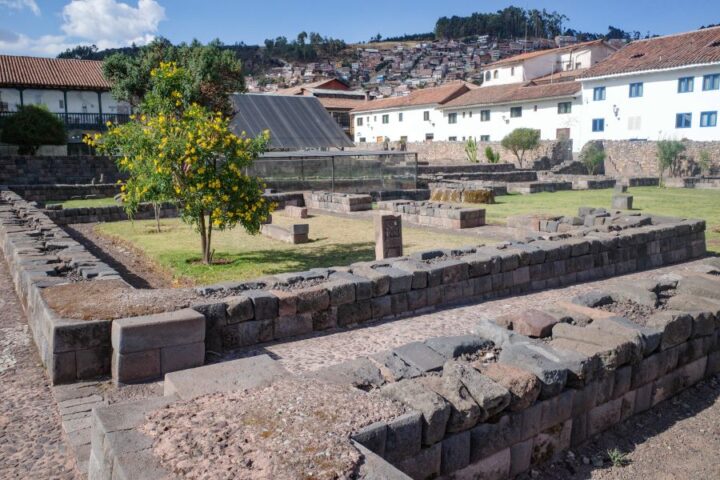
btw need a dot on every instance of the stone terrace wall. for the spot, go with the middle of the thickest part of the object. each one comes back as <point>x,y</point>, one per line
<point>639,158</point>
<point>46,193</point>
<point>453,153</point>
<point>30,170</point>
<point>113,213</point>
<point>40,254</point>
<point>435,214</point>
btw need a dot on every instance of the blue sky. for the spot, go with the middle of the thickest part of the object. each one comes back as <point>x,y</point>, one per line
<point>45,27</point>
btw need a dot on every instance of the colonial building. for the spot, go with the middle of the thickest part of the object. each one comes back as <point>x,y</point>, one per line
<point>74,90</point>
<point>660,88</point>
<point>413,118</point>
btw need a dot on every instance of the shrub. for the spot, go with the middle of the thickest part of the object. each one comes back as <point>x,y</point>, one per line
<point>520,141</point>
<point>471,150</point>
<point>491,155</point>
<point>668,152</point>
<point>704,162</point>
<point>31,127</point>
<point>593,158</point>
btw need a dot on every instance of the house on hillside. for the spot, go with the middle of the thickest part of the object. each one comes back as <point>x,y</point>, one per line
<point>659,88</point>
<point>74,90</point>
<point>335,95</point>
<point>528,66</point>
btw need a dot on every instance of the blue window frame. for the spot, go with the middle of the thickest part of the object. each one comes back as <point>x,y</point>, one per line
<point>598,125</point>
<point>686,84</point>
<point>515,112</point>
<point>711,82</point>
<point>636,90</point>
<point>683,120</point>
<point>708,119</point>
<point>598,94</point>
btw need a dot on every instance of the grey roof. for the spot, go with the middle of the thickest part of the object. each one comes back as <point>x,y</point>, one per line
<point>295,122</point>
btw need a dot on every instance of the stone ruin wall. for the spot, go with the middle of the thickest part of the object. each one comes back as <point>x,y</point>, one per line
<point>639,158</point>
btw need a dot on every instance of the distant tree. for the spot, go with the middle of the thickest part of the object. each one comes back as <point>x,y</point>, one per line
<point>520,141</point>
<point>215,71</point>
<point>32,126</point>
<point>491,155</point>
<point>81,52</point>
<point>668,155</point>
<point>593,158</point>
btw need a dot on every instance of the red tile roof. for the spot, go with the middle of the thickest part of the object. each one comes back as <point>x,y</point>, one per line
<point>341,103</point>
<point>501,94</point>
<point>684,49</point>
<point>538,53</point>
<point>299,89</point>
<point>51,73</point>
<point>423,96</point>
<point>564,76</point>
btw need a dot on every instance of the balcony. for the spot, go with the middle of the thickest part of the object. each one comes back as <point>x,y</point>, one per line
<point>83,121</point>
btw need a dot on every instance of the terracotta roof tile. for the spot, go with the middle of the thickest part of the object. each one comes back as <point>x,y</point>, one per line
<point>51,72</point>
<point>423,96</point>
<point>684,49</point>
<point>341,103</point>
<point>500,94</point>
<point>538,53</point>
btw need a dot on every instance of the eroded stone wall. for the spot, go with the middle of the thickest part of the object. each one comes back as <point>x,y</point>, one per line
<point>639,158</point>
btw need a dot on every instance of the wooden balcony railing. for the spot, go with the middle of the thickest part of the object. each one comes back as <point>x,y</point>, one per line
<point>83,121</point>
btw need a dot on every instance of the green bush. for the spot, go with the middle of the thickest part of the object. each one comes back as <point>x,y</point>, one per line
<point>471,150</point>
<point>668,152</point>
<point>520,141</point>
<point>31,127</point>
<point>491,155</point>
<point>593,158</point>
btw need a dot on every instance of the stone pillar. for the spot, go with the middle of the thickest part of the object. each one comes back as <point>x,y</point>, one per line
<point>388,236</point>
<point>622,202</point>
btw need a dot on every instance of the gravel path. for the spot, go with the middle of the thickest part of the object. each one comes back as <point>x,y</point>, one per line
<point>317,350</point>
<point>31,442</point>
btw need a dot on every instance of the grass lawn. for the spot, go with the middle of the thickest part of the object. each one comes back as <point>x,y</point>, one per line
<point>334,241</point>
<point>680,202</point>
<point>92,202</point>
<point>341,241</point>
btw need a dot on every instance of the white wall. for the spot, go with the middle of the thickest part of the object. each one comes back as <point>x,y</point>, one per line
<point>505,75</point>
<point>542,115</point>
<point>412,126</point>
<point>79,101</point>
<point>656,109</point>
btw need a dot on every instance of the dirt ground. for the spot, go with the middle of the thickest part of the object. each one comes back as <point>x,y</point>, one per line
<point>678,439</point>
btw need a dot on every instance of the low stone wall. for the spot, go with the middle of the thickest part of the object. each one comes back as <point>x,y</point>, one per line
<point>693,182</point>
<point>526,188</point>
<point>114,213</point>
<point>639,158</point>
<point>580,182</point>
<point>295,234</point>
<point>434,214</point>
<point>49,170</point>
<point>411,194</point>
<point>586,217</point>
<point>453,153</point>
<point>46,193</point>
<point>338,202</point>
<point>515,176</point>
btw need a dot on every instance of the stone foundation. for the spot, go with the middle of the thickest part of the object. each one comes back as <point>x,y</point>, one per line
<point>295,234</point>
<point>433,214</point>
<point>338,202</point>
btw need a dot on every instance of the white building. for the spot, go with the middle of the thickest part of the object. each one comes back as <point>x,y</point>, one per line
<point>413,117</point>
<point>528,66</point>
<point>75,90</point>
<point>655,89</point>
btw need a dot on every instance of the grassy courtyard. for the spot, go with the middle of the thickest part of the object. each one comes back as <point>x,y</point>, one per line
<point>341,241</point>
<point>86,203</point>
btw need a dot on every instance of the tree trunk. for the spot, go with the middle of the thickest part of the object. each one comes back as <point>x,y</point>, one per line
<point>208,245</point>
<point>156,208</point>
<point>203,236</point>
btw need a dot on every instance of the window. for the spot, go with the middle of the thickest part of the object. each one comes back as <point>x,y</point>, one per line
<point>374,118</point>
<point>429,136</point>
<point>515,112</point>
<point>487,76</point>
<point>470,114</point>
<point>426,115</point>
<point>598,125</point>
<point>708,119</point>
<point>452,117</point>
<point>495,74</point>
<point>512,71</point>
<point>61,104</point>
<point>683,120</point>
<point>564,107</point>
<point>386,118</point>
<point>464,114</point>
<point>359,121</point>
<point>634,123</point>
<point>484,115</point>
<point>452,139</point>
<point>400,117</point>
<point>598,94</point>
<point>484,138</point>
<point>578,65</point>
<point>636,90</point>
<point>685,84</point>
<point>363,139</point>
<point>711,82</point>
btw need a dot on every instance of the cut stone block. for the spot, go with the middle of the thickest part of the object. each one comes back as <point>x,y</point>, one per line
<point>434,408</point>
<point>617,350</point>
<point>464,411</point>
<point>425,464</point>
<point>455,452</point>
<point>404,437</point>
<point>420,356</point>
<point>491,397</point>
<point>393,367</point>
<point>533,323</point>
<point>700,285</point>
<point>524,387</point>
<point>181,357</point>
<point>676,327</point>
<point>149,332</point>
<point>453,347</point>
<point>552,374</point>
<point>360,373</point>
<point>622,202</point>
<point>373,437</point>
<point>239,374</point>
<point>136,366</point>
<point>648,338</point>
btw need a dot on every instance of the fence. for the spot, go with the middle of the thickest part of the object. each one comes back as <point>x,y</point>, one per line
<point>337,171</point>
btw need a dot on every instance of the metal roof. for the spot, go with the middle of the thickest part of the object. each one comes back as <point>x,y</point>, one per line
<point>295,122</point>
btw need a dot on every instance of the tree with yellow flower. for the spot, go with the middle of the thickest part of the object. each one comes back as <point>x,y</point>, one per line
<point>188,154</point>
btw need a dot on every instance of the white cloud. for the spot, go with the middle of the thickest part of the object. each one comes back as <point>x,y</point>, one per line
<point>21,4</point>
<point>105,23</point>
